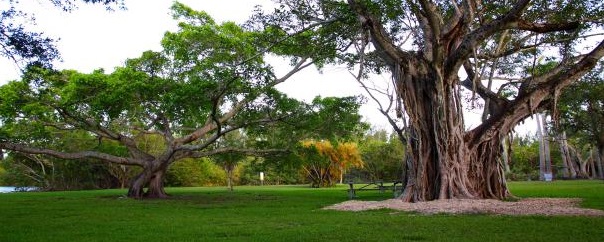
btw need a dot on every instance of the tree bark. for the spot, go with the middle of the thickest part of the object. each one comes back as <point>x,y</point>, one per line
<point>156,185</point>
<point>137,185</point>
<point>152,178</point>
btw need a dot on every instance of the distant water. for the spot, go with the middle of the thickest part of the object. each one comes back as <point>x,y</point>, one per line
<point>7,189</point>
<point>14,189</point>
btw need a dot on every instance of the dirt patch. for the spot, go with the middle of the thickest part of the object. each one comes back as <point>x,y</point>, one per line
<point>527,206</point>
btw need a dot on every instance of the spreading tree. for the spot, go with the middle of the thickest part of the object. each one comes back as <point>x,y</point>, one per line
<point>209,80</point>
<point>436,49</point>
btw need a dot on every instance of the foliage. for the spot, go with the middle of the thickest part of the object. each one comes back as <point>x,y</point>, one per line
<point>195,173</point>
<point>383,157</point>
<point>581,109</point>
<point>279,213</point>
<point>326,118</point>
<point>324,163</point>
<point>335,118</point>
<point>277,171</point>
<point>51,174</point>
<point>524,162</point>
<point>2,175</point>
<point>229,160</point>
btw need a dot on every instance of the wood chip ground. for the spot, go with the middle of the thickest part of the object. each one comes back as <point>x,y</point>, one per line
<point>527,206</point>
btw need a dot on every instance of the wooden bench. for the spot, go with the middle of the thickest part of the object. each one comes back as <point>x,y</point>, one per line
<point>396,188</point>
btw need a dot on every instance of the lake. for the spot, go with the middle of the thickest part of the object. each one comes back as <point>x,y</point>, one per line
<point>20,189</point>
<point>7,189</point>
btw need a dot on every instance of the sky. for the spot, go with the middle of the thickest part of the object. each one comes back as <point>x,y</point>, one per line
<point>90,38</point>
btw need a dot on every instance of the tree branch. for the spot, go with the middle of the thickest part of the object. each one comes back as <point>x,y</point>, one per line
<point>479,88</point>
<point>534,96</point>
<point>459,55</point>
<point>98,129</point>
<point>70,156</point>
<point>383,43</point>
<point>432,32</point>
<point>544,27</point>
<point>518,47</point>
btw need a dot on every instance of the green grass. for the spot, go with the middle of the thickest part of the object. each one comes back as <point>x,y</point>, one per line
<point>283,213</point>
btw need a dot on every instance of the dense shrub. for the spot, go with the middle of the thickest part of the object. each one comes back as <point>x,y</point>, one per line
<point>194,173</point>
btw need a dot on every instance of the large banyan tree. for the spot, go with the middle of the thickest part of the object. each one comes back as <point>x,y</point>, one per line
<point>436,49</point>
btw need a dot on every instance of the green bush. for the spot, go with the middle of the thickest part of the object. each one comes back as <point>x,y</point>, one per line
<point>524,163</point>
<point>195,173</point>
<point>55,174</point>
<point>2,174</point>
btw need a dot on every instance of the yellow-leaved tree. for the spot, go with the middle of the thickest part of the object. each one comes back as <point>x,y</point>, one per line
<point>324,163</point>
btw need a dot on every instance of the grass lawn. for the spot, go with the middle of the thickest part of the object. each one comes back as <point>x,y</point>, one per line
<point>279,213</point>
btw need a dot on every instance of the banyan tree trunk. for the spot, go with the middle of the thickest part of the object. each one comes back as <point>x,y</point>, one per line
<point>443,165</point>
<point>151,179</point>
<point>156,185</point>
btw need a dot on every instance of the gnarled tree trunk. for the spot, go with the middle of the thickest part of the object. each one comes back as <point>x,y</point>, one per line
<point>152,178</point>
<point>443,164</point>
<point>156,185</point>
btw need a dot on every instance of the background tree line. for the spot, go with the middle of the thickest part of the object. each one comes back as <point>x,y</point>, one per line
<point>374,155</point>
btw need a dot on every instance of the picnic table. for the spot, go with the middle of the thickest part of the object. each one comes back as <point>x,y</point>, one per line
<point>396,187</point>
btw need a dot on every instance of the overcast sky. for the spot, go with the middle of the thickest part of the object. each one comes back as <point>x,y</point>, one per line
<point>92,38</point>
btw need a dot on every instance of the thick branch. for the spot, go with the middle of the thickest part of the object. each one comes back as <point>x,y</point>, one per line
<point>479,88</point>
<point>534,97</point>
<point>544,27</point>
<point>517,47</point>
<point>200,132</point>
<point>383,43</point>
<point>96,128</point>
<point>433,30</point>
<point>471,40</point>
<point>70,156</point>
